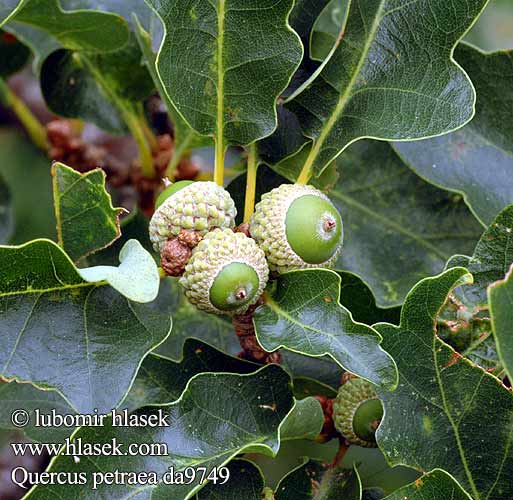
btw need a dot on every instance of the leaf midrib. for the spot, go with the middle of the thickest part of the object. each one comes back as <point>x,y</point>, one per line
<point>48,290</point>
<point>445,404</point>
<point>220,75</point>
<point>344,98</point>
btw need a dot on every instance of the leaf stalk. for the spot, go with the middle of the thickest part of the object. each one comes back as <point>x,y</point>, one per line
<point>249,203</point>
<point>219,165</point>
<point>220,144</point>
<point>34,128</point>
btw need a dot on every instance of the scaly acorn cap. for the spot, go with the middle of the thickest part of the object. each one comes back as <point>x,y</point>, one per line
<point>226,273</point>
<point>357,412</point>
<point>200,207</point>
<point>297,227</point>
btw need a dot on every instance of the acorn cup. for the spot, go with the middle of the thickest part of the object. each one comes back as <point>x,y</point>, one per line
<point>297,227</point>
<point>190,206</point>
<point>357,412</point>
<point>226,274</point>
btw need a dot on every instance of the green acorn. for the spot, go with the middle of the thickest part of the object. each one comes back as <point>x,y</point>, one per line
<point>297,227</point>
<point>357,412</point>
<point>194,206</point>
<point>226,273</point>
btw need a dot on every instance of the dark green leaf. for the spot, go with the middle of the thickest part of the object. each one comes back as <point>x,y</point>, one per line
<point>322,369</point>
<point>63,333</point>
<point>101,88</point>
<point>77,30</point>
<point>188,321</point>
<point>210,60</point>
<point>161,380</point>
<point>358,298</point>
<point>372,87</point>
<point>291,455</point>
<point>42,43</point>
<point>246,483</point>
<point>77,83</point>
<point>398,228</point>
<point>14,54</point>
<point>476,161</point>
<point>500,297</point>
<point>304,314</point>
<point>86,219</point>
<point>304,422</point>
<point>313,481</point>
<point>202,432</point>
<point>436,417</point>
<point>433,486</point>
<point>26,171</point>
<point>15,396</point>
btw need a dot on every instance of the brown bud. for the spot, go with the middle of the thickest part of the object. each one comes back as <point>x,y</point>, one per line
<point>174,257</point>
<point>163,153</point>
<point>189,238</point>
<point>60,132</point>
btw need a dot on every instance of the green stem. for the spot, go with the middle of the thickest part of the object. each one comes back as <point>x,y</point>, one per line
<point>32,125</point>
<point>306,171</point>
<point>249,204</point>
<point>268,494</point>
<point>219,166</point>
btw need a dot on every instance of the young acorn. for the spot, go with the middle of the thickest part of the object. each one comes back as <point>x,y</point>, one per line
<point>191,206</point>
<point>357,412</point>
<point>297,227</point>
<point>226,273</point>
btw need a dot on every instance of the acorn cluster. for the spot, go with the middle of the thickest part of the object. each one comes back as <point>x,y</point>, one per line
<point>224,271</point>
